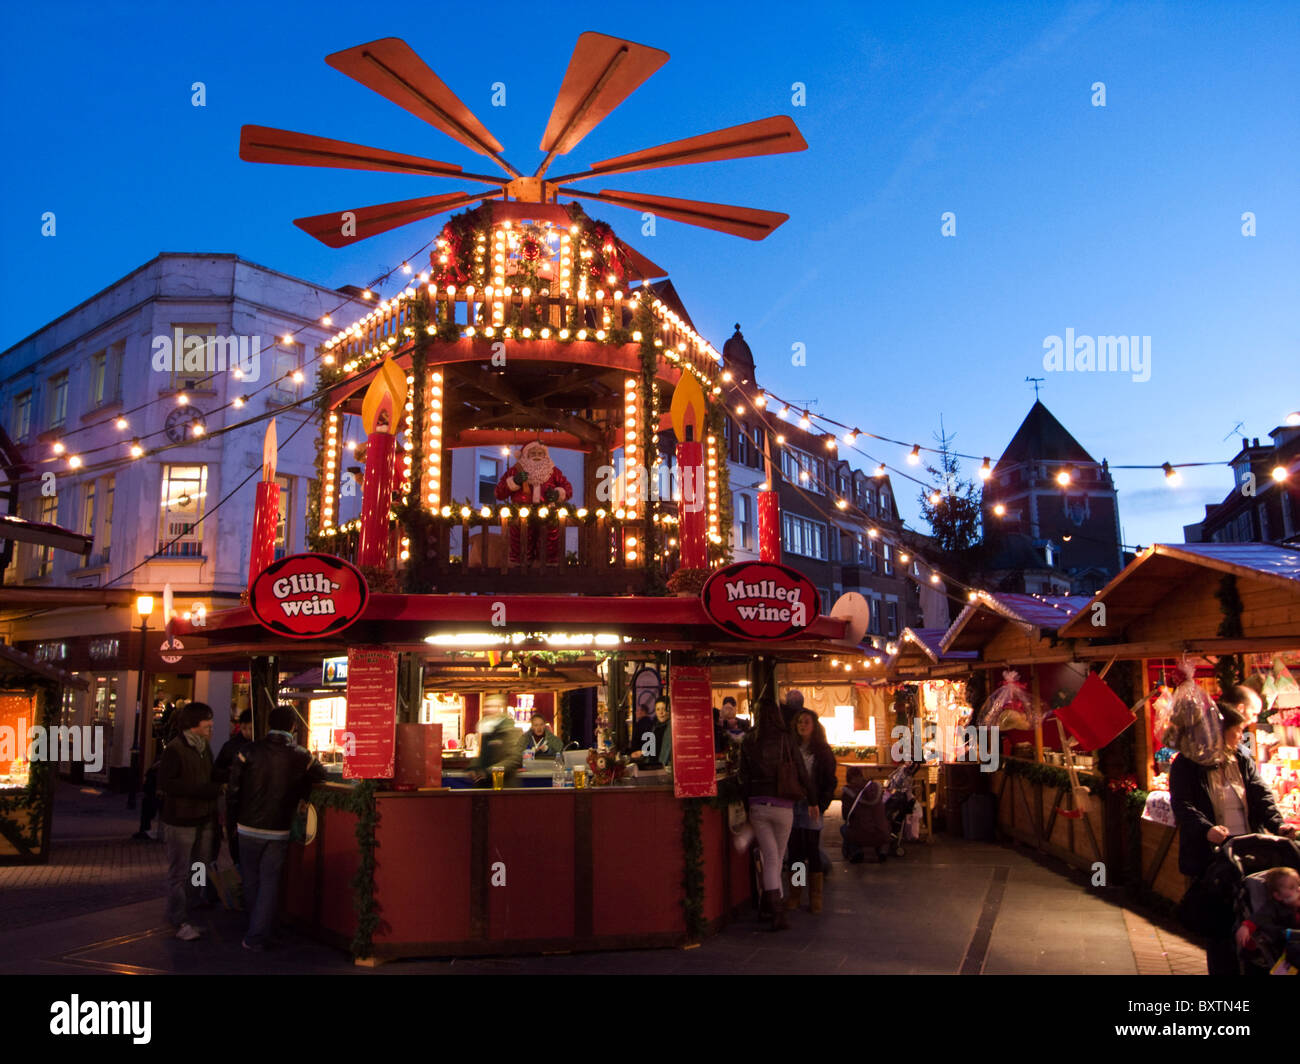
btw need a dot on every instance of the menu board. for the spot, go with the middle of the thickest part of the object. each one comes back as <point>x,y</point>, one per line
<point>372,714</point>
<point>694,775</point>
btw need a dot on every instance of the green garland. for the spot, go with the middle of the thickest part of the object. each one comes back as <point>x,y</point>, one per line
<point>360,801</point>
<point>1051,775</point>
<point>37,798</point>
<point>693,867</point>
<point>716,424</point>
<point>566,716</point>
<point>1229,669</point>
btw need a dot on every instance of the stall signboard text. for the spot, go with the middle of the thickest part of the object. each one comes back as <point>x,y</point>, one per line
<point>761,600</point>
<point>369,739</point>
<point>694,774</point>
<point>306,596</point>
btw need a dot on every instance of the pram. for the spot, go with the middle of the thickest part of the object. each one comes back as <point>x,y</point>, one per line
<point>1250,857</point>
<point>900,803</point>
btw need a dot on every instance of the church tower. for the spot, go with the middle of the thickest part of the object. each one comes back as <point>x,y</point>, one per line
<point>1049,495</point>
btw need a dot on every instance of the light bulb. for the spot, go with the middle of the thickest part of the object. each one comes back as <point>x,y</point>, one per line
<point>915,457</point>
<point>1279,473</point>
<point>986,470</point>
<point>999,509</point>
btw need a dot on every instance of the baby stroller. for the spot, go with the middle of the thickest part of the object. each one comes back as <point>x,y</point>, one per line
<point>866,824</point>
<point>1250,857</point>
<point>899,802</point>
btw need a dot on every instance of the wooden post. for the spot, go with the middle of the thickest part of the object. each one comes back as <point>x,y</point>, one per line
<point>1038,706</point>
<point>1142,747</point>
<point>264,684</point>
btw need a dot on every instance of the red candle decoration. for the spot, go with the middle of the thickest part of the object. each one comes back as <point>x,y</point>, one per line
<point>693,513</point>
<point>266,513</point>
<point>380,407</point>
<point>769,526</point>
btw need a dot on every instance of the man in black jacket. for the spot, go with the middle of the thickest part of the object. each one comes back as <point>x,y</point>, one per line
<point>267,781</point>
<point>241,736</point>
<point>190,813</point>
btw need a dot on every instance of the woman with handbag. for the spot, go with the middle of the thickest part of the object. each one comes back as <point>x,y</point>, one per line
<point>805,836</point>
<point>774,780</point>
<point>1215,793</point>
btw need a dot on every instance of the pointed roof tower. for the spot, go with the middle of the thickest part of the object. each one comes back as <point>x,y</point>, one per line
<point>1042,438</point>
<point>737,357</point>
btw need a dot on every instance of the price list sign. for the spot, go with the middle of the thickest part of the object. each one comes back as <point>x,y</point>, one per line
<point>694,775</point>
<point>372,713</point>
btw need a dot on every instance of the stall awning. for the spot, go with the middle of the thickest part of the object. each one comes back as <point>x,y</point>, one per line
<point>43,534</point>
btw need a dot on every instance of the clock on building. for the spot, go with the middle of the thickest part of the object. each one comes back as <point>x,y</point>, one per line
<point>181,423</point>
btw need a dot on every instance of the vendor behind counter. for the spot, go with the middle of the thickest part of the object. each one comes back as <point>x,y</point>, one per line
<point>540,743</point>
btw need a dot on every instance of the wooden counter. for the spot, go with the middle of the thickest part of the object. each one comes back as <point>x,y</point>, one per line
<point>526,870</point>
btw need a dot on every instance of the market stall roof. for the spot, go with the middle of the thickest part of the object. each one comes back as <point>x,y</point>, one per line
<point>1035,615</point>
<point>406,621</point>
<point>14,664</point>
<point>43,534</point>
<point>919,653</point>
<point>1167,601</point>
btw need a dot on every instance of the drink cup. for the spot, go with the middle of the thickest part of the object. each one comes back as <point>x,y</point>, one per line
<point>580,776</point>
<point>498,777</point>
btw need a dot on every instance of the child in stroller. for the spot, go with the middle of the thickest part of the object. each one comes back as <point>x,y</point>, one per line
<point>873,815</point>
<point>900,803</point>
<point>1266,901</point>
<point>1267,936</point>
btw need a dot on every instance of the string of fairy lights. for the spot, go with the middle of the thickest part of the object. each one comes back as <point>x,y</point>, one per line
<point>136,448</point>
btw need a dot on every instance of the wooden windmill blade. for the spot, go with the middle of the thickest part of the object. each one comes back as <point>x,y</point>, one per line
<point>391,68</point>
<point>749,222</point>
<point>767,136</point>
<point>263,144</point>
<point>603,72</point>
<point>336,230</point>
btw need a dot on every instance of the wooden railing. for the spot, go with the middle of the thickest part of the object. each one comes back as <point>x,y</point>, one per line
<point>603,315</point>
<point>527,555</point>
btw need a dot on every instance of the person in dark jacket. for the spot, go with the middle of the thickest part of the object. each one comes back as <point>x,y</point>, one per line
<point>267,781</point>
<point>540,741</point>
<point>190,813</point>
<point>805,835</point>
<point>771,813</point>
<point>241,736</point>
<point>1212,801</point>
<point>661,750</point>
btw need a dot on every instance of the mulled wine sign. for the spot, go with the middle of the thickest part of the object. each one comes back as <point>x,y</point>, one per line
<point>761,600</point>
<point>306,596</point>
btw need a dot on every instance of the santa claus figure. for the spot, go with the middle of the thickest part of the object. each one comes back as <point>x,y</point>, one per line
<point>535,481</point>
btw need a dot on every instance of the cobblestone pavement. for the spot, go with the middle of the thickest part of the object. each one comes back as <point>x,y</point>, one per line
<point>946,907</point>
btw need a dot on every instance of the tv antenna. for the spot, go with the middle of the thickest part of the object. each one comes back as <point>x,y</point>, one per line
<point>1233,431</point>
<point>1036,382</point>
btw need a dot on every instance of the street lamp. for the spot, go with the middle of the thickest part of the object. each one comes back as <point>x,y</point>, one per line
<point>144,607</point>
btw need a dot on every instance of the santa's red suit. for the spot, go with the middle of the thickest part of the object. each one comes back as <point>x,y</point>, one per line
<point>535,481</point>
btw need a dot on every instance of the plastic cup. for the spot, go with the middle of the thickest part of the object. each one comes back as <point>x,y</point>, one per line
<point>498,777</point>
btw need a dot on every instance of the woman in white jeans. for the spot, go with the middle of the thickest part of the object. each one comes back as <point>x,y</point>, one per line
<point>771,811</point>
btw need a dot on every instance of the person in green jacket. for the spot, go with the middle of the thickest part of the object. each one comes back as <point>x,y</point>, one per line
<point>500,744</point>
<point>540,741</point>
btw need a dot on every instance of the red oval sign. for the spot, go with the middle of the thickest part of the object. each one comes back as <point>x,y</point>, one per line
<point>305,596</point>
<point>761,600</point>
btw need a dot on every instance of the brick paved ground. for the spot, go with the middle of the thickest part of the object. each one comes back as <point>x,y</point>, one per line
<point>948,907</point>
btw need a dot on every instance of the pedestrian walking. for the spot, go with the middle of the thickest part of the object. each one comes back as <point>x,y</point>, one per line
<point>268,779</point>
<point>806,833</point>
<point>190,813</point>
<point>774,779</point>
<point>241,736</point>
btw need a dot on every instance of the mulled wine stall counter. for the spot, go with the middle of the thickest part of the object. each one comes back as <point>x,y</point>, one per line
<point>474,872</point>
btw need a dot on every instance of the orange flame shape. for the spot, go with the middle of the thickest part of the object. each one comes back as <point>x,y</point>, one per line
<point>269,446</point>
<point>386,395</point>
<point>688,398</point>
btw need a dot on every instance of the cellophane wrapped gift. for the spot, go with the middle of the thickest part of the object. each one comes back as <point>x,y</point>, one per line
<point>1010,707</point>
<point>1194,729</point>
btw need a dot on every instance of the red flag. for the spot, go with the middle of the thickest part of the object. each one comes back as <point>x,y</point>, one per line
<point>1096,715</point>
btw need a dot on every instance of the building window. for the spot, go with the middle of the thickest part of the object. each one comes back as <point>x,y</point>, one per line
<point>885,508</point>
<point>804,537</point>
<point>285,363</point>
<point>282,518</point>
<point>184,489</point>
<point>196,357</point>
<point>49,514</point>
<point>873,623</point>
<point>1264,536</point>
<point>22,419</point>
<point>888,554</point>
<point>98,376</point>
<point>489,472</point>
<point>875,556</point>
<point>803,469</point>
<point>745,521</point>
<point>891,618</point>
<point>113,371</point>
<point>59,400</point>
<point>106,540</point>
<point>861,541</point>
<point>88,510</point>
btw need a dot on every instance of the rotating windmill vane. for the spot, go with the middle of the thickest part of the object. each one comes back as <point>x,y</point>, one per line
<point>603,72</point>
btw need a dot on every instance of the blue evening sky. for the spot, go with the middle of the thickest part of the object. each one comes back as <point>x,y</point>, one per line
<point>1117,220</point>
